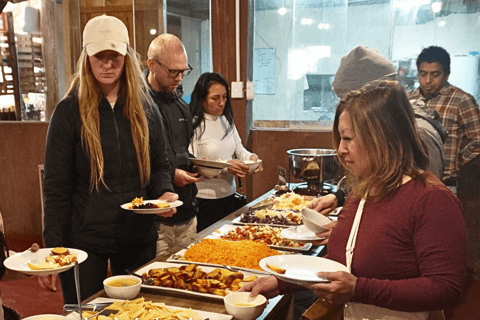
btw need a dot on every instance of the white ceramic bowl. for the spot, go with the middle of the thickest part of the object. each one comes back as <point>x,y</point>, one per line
<point>126,293</point>
<point>46,317</point>
<point>314,221</point>
<point>244,312</point>
<point>209,172</point>
<point>252,165</point>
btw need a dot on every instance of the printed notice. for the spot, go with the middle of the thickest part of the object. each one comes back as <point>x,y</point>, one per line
<point>264,71</point>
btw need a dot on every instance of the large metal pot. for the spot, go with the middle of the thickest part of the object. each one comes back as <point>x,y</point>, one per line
<point>313,164</point>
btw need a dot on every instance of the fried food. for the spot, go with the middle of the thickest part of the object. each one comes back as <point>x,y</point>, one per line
<point>276,269</point>
<point>193,278</point>
<point>58,257</point>
<point>60,251</point>
<point>140,309</point>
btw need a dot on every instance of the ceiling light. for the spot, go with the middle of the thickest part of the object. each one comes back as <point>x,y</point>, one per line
<point>441,23</point>
<point>436,7</point>
<point>326,26</point>
<point>153,31</point>
<point>306,21</point>
<point>282,11</point>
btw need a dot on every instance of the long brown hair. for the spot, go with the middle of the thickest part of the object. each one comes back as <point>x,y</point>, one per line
<point>384,124</point>
<point>134,91</point>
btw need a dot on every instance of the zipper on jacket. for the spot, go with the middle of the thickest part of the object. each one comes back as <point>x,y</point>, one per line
<point>120,154</point>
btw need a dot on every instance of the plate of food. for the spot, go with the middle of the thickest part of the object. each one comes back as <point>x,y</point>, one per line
<point>140,206</point>
<point>218,164</point>
<point>272,217</point>
<point>46,317</point>
<point>258,233</point>
<point>194,279</point>
<point>45,261</point>
<point>300,234</point>
<point>243,255</point>
<point>142,309</point>
<point>300,268</point>
<point>292,201</point>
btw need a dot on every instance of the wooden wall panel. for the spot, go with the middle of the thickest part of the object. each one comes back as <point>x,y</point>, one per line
<point>22,149</point>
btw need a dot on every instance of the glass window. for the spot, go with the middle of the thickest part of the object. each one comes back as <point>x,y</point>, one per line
<point>190,21</point>
<point>298,45</point>
<point>27,38</point>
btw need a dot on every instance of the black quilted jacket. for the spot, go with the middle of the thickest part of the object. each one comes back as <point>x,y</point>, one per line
<point>76,217</point>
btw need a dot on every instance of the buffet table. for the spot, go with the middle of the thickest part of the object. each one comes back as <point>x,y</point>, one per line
<point>278,308</point>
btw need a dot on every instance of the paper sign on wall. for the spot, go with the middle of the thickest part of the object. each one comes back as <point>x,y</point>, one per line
<point>264,71</point>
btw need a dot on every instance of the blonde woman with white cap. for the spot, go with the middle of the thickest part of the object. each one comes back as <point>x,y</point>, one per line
<point>105,146</point>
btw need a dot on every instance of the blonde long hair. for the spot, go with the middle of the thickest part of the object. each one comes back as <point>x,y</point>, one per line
<point>384,124</point>
<point>134,91</point>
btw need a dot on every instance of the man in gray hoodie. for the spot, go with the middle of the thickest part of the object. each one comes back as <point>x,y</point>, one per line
<point>360,66</point>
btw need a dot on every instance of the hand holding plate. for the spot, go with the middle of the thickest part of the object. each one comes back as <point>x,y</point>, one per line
<point>325,234</point>
<point>339,290</point>
<point>169,197</point>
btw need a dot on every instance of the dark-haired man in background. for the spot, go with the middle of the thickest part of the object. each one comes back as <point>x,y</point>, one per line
<point>459,112</point>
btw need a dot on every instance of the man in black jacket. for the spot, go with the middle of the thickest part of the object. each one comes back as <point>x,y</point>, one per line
<point>167,65</point>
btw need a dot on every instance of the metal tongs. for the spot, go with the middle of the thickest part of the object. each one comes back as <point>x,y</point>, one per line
<point>93,306</point>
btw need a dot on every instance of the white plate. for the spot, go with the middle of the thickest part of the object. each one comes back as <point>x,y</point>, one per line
<point>217,234</point>
<point>207,269</point>
<point>209,163</point>
<point>203,314</point>
<point>179,257</point>
<point>173,204</point>
<point>301,268</point>
<point>45,317</point>
<point>284,212</point>
<point>19,262</point>
<point>300,234</point>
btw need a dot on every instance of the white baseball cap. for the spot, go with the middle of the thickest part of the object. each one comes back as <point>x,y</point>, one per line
<point>105,33</point>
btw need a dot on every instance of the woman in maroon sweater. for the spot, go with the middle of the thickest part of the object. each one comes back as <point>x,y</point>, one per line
<point>409,253</point>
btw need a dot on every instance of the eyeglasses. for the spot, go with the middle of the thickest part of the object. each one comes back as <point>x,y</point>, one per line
<point>175,73</point>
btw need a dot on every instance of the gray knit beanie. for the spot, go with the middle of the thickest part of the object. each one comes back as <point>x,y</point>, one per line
<point>360,66</point>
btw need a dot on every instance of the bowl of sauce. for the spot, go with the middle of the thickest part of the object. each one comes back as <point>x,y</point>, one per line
<point>122,287</point>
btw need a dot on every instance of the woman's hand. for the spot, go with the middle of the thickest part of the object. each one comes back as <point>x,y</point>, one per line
<point>48,281</point>
<point>45,281</point>
<point>169,197</point>
<point>339,290</point>
<point>267,286</point>
<point>325,204</point>
<point>325,234</point>
<point>238,168</point>
<point>260,167</point>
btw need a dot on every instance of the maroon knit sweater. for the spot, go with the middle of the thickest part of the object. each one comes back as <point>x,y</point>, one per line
<point>410,249</point>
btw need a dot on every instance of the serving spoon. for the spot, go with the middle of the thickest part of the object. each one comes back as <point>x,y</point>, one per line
<point>147,282</point>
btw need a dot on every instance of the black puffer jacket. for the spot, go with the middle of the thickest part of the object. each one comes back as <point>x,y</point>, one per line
<point>76,217</point>
<point>177,121</point>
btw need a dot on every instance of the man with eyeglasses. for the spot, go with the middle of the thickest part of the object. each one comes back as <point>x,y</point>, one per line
<point>167,65</point>
<point>459,112</point>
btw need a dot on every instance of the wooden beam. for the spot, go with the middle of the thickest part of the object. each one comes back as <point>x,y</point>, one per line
<point>49,31</point>
<point>17,90</point>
